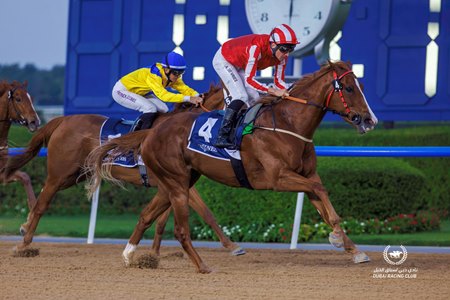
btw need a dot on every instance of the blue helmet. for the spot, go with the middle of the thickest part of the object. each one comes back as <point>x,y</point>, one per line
<point>174,61</point>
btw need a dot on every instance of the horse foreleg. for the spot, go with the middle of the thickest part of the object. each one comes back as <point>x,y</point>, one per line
<point>29,228</point>
<point>196,202</point>
<point>26,182</point>
<point>338,237</point>
<point>159,230</point>
<point>153,210</point>
<point>179,201</point>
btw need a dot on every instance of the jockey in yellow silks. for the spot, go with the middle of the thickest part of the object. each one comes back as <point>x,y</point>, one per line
<point>145,89</point>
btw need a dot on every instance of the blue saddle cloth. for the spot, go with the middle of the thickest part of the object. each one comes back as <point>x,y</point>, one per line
<point>113,128</point>
<point>204,133</point>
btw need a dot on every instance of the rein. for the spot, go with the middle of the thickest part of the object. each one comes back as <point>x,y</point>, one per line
<point>337,87</point>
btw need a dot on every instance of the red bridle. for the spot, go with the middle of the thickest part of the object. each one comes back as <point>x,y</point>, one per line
<point>338,88</point>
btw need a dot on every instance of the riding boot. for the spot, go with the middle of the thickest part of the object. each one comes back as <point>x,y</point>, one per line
<point>147,120</point>
<point>225,140</point>
<point>144,121</point>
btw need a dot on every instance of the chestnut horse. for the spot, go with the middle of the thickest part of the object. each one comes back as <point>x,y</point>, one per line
<point>70,139</point>
<point>16,106</point>
<point>279,155</point>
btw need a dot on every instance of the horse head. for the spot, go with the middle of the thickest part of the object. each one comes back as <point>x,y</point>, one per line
<point>346,98</point>
<point>18,105</point>
<point>336,89</point>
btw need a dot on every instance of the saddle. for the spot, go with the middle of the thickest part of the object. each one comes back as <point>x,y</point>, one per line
<point>114,128</point>
<point>205,130</point>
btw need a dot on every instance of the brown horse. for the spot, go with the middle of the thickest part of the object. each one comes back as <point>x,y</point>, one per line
<point>16,106</point>
<point>279,155</point>
<point>69,140</point>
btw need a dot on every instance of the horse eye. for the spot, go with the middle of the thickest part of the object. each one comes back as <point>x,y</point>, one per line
<point>349,89</point>
<point>18,99</point>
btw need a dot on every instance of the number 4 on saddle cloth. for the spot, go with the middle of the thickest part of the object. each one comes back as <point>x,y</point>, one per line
<point>205,130</point>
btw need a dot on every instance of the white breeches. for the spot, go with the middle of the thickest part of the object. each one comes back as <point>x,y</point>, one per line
<point>137,102</point>
<point>234,80</point>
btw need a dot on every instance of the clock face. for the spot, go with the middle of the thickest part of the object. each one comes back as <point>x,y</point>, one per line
<point>306,17</point>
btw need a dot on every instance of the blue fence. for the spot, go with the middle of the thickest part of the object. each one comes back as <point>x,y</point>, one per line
<point>365,151</point>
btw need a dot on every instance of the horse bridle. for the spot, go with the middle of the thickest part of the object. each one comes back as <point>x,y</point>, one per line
<point>337,87</point>
<point>21,120</point>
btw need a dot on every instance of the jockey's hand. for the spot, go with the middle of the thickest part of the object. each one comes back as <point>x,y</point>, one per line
<point>278,92</point>
<point>196,100</point>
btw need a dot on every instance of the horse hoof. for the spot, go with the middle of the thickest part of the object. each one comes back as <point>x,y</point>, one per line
<point>205,270</point>
<point>25,252</point>
<point>360,257</point>
<point>238,251</point>
<point>128,253</point>
<point>127,259</point>
<point>336,240</point>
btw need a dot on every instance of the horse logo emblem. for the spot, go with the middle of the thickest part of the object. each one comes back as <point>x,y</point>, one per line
<point>395,257</point>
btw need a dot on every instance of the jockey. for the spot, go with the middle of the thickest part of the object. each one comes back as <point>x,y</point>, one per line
<point>145,89</point>
<point>236,63</point>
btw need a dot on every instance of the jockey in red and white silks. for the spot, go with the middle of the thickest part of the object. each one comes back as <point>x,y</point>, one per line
<point>238,60</point>
<point>236,63</point>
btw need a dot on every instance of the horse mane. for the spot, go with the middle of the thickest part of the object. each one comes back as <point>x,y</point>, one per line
<point>4,86</point>
<point>305,81</point>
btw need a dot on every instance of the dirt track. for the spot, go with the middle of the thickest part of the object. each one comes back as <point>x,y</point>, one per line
<point>72,271</point>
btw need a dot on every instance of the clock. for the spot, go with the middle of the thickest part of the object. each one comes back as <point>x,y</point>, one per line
<point>315,22</point>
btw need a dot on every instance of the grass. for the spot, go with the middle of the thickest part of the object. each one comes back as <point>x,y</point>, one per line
<point>121,226</point>
<point>112,226</point>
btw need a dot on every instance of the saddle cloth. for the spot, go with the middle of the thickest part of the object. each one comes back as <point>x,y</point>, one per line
<point>204,132</point>
<point>113,128</point>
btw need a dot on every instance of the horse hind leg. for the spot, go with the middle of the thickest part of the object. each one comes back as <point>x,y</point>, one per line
<point>153,210</point>
<point>179,201</point>
<point>26,182</point>
<point>196,202</point>
<point>159,231</point>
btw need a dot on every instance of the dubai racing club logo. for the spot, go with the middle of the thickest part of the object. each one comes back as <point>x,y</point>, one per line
<point>395,257</point>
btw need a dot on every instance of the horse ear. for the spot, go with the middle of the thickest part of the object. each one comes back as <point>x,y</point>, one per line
<point>25,83</point>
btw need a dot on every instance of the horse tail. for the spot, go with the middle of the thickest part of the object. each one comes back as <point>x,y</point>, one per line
<point>39,140</point>
<point>98,164</point>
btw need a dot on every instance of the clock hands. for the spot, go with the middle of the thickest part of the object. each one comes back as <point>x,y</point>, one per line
<point>291,10</point>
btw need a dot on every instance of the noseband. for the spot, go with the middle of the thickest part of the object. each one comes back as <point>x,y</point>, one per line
<point>21,120</point>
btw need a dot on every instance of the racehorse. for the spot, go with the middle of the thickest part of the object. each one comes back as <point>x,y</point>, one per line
<point>69,140</point>
<point>279,155</point>
<point>16,106</point>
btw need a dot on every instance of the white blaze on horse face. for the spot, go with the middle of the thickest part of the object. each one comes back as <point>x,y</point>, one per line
<point>372,115</point>
<point>31,102</point>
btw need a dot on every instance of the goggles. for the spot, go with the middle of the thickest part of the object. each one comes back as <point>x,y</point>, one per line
<point>286,48</point>
<point>177,72</point>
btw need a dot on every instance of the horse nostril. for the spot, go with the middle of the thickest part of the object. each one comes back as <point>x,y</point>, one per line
<point>369,121</point>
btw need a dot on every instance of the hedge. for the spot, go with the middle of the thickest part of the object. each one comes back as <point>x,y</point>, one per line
<point>358,187</point>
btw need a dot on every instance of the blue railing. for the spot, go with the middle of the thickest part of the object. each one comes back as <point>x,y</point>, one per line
<point>353,151</point>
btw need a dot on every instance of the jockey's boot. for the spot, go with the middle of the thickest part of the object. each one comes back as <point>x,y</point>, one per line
<point>144,121</point>
<point>147,120</point>
<point>225,140</point>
